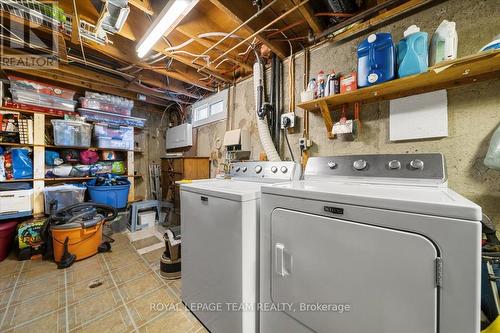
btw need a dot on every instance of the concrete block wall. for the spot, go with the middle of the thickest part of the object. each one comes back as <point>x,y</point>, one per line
<point>473,110</point>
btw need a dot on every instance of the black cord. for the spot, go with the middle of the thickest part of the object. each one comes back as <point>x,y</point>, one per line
<point>288,143</point>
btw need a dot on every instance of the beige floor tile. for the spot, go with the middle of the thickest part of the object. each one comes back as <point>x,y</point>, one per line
<point>176,286</point>
<point>8,281</point>
<point>31,309</point>
<point>117,321</point>
<point>10,265</point>
<point>121,259</point>
<point>84,271</point>
<point>53,322</point>
<point>89,288</point>
<point>153,304</point>
<point>154,256</point>
<point>90,308</point>
<point>176,322</point>
<point>142,243</point>
<point>129,272</point>
<point>140,286</point>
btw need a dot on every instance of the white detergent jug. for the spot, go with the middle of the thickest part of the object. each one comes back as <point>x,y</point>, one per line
<point>444,43</point>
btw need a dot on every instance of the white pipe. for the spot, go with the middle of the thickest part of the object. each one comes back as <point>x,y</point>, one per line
<point>262,125</point>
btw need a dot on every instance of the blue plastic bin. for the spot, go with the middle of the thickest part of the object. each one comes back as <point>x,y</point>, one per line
<point>115,196</point>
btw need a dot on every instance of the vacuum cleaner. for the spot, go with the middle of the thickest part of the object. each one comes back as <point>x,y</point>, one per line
<point>76,232</point>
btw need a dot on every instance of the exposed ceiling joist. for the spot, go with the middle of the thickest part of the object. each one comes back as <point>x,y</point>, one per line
<point>239,11</point>
<point>308,15</point>
<point>143,5</point>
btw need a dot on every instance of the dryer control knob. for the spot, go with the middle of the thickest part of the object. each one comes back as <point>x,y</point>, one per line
<point>332,165</point>
<point>284,169</point>
<point>394,165</point>
<point>274,169</point>
<point>258,169</point>
<point>237,169</point>
<point>417,164</point>
<point>244,169</point>
<point>359,165</point>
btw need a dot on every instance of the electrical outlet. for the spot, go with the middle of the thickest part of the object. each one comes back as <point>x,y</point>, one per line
<point>304,144</point>
<point>288,120</point>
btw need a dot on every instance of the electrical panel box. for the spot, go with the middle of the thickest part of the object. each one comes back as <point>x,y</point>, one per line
<point>237,140</point>
<point>180,136</point>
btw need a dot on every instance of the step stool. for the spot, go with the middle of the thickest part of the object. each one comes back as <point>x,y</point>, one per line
<point>142,205</point>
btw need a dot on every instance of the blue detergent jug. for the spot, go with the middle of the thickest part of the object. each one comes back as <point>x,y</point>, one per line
<point>413,52</point>
<point>376,60</point>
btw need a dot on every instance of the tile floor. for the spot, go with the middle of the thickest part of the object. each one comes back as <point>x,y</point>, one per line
<point>120,291</point>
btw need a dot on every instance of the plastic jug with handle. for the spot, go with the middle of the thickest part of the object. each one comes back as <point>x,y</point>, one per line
<point>444,43</point>
<point>376,60</point>
<point>413,52</point>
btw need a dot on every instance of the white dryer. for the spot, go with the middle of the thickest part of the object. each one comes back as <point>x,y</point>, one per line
<point>374,243</point>
<point>220,223</point>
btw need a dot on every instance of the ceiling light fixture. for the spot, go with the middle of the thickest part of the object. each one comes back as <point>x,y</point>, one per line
<point>170,16</point>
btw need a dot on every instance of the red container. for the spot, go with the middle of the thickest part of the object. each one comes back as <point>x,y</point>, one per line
<point>7,232</point>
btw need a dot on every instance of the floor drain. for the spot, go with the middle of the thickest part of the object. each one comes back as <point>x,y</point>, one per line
<point>95,284</point>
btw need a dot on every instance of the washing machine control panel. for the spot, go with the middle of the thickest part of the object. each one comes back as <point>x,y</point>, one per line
<point>426,167</point>
<point>265,170</point>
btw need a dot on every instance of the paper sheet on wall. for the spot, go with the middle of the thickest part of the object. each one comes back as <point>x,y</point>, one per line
<point>419,117</point>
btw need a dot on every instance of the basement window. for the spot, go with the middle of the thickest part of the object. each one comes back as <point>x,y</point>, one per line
<point>210,109</point>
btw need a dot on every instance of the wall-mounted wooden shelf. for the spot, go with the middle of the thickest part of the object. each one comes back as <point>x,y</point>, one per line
<point>449,74</point>
<point>62,179</point>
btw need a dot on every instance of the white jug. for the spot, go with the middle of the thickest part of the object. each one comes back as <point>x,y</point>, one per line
<point>444,43</point>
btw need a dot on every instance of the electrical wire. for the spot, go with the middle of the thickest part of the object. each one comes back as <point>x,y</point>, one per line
<point>288,144</point>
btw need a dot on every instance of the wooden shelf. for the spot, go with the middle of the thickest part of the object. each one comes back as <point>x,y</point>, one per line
<point>64,179</point>
<point>449,74</point>
<point>81,148</point>
<point>6,144</point>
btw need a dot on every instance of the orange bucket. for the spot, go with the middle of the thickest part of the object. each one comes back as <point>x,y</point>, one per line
<point>83,242</point>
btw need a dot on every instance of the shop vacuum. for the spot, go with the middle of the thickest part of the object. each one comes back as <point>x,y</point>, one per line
<point>76,232</point>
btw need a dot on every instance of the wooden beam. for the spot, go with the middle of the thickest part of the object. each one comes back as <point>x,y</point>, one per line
<point>308,15</point>
<point>235,10</point>
<point>143,5</point>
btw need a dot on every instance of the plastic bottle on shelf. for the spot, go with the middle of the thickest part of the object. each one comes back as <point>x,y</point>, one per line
<point>321,84</point>
<point>376,60</point>
<point>444,43</point>
<point>332,84</point>
<point>413,52</point>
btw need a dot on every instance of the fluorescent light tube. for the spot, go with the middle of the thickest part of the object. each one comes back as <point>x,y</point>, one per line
<point>169,16</point>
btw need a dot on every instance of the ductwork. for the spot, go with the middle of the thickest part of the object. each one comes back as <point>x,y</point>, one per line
<point>262,124</point>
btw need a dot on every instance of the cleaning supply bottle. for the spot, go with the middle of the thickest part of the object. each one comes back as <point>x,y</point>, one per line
<point>444,43</point>
<point>376,60</point>
<point>332,84</point>
<point>321,84</point>
<point>413,53</point>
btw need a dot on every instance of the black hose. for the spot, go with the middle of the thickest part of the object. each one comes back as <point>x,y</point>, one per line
<point>288,144</point>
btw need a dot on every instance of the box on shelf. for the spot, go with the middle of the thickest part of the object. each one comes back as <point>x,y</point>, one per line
<point>19,83</point>
<point>71,133</point>
<point>110,118</point>
<point>48,101</point>
<point>15,202</point>
<point>107,103</point>
<point>114,137</point>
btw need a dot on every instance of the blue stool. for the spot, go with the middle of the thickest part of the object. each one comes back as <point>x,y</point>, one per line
<point>142,205</point>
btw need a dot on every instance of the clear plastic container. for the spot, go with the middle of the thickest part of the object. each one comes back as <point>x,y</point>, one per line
<point>47,101</point>
<point>19,83</point>
<point>71,133</point>
<point>95,104</point>
<point>114,137</point>
<point>63,196</point>
<point>115,119</point>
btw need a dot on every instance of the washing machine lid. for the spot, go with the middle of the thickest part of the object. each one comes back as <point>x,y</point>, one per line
<point>225,188</point>
<point>436,201</point>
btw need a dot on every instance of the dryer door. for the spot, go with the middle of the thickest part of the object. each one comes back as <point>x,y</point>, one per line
<point>350,277</point>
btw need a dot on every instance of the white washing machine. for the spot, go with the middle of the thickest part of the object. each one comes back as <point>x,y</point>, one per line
<point>220,223</point>
<point>373,243</point>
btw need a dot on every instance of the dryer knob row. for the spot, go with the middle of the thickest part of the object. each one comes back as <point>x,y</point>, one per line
<point>258,169</point>
<point>360,165</point>
<point>274,169</point>
<point>417,164</point>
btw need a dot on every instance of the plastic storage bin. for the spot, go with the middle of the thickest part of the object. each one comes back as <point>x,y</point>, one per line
<point>7,232</point>
<point>114,137</point>
<point>71,133</point>
<point>15,202</point>
<point>96,104</point>
<point>46,101</point>
<point>376,60</point>
<point>115,196</point>
<point>63,195</point>
<point>19,83</point>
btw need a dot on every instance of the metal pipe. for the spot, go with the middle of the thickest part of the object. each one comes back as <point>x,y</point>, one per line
<point>238,28</point>
<point>262,29</point>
